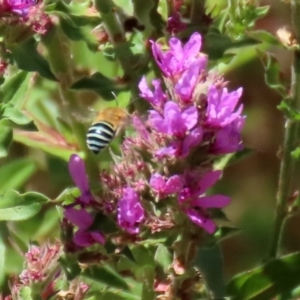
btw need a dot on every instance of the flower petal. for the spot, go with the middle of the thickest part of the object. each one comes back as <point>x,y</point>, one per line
<point>208,180</point>
<point>78,173</point>
<point>80,218</point>
<point>157,182</point>
<point>213,201</point>
<point>85,239</point>
<point>190,117</point>
<point>173,185</point>
<point>199,219</point>
<point>157,122</point>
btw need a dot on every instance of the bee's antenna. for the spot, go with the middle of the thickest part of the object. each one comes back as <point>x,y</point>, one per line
<point>114,94</point>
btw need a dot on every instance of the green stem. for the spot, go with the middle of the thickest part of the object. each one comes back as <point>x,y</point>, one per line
<point>127,59</point>
<point>60,60</point>
<point>290,143</point>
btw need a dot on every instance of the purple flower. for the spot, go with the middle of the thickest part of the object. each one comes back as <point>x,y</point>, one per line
<point>181,148</point>
<point>178,59</point>
<point>78,174</point>
<point>187,82</point>
<point>81,218</point>
<point>194,204</point>
<point>174,122</point>
<point>221,106</point>
<point>157,98</point>
<point>228,139</point>
<point>20,7</point>
<point>84,238</point>
<point>165,187</point>
<point>130,211</point>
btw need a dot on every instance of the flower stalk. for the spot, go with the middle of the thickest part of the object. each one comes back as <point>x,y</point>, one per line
<point>61,65</point>
<point>290,143</point>
<point>125,56</point>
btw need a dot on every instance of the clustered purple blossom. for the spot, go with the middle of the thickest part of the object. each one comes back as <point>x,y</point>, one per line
<point>20,7</point>
<point>192,121</point>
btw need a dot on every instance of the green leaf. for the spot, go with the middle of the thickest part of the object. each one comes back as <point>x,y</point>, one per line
<point>17,207</point>
<point>163,256</point>
<point>142,255</point>
<point>50,144</point>
<point>289,111</point>
<point>296,153</point>
<point>216,43</point>
<point>14,88</point>
<point>25,293</point>
<point>6,136</point>
<point>225,232</point>
<point>148,283</point>
<point>232,158</point>
<point>14,174</point>
<point>100,84</point>
<point>210,262</point>
<point>28,59</point>
<point>277,277</point>
<point>261,11</point>
<point>265,37</point>
<point>105,275</point>
<point>14,114</point>
<point>70,266</point>
<point>146,12</point>
<point>273,76</point>
<point>76,33</point>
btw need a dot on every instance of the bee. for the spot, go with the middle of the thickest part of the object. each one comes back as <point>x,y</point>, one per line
<point>106,125</point>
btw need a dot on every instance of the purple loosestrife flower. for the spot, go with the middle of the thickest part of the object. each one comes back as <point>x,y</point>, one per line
<point>221,106</point>
<point>228,139</point>
<point>195,205</point>
<point>179,58</point>
<point>165,187</point>
<point>174,121</point>
<point>181,148</point>
<point>78,174</point>
<point>130,211</point>
<point>20,7</point>
<point>187,82</point>
<point>83,220</point>
<point>157,98</point>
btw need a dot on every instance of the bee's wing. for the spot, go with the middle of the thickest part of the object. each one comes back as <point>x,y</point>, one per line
<point>87,116</point>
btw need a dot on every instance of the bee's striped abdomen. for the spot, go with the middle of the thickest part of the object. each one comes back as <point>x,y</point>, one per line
<point>99,136</point>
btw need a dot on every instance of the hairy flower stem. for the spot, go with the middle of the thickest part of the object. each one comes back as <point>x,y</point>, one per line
<point>56,43</point>
<point>290,143</point>
<point>128,62</point>
<point>183,277</point>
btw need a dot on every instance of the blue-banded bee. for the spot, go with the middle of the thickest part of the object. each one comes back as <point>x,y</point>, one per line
<point>104,128</point>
